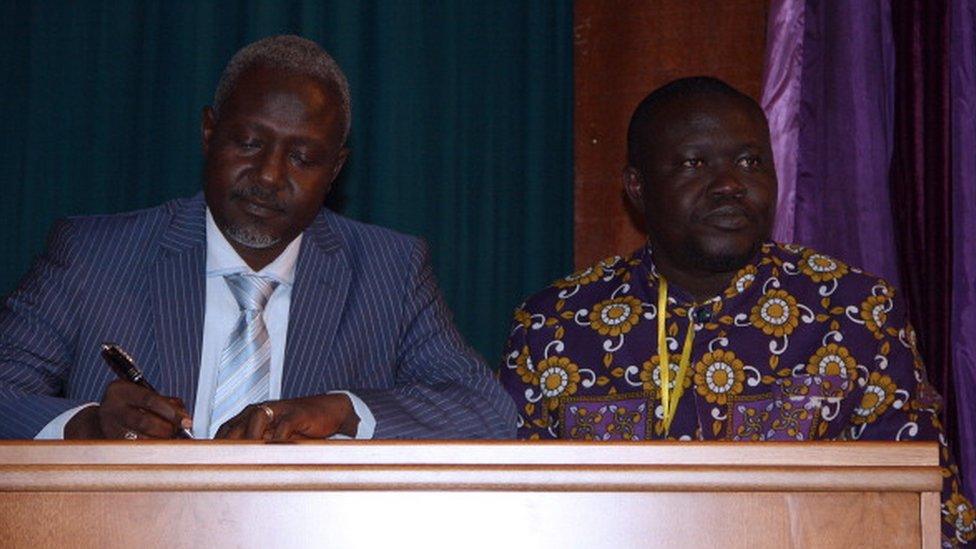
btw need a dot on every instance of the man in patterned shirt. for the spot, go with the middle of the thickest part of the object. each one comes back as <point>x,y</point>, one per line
<point>762,341</point>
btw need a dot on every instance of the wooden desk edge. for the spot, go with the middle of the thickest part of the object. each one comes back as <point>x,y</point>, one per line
<point>834,454</point>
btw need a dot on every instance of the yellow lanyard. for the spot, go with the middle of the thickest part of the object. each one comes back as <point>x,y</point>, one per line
<point>669,401</point>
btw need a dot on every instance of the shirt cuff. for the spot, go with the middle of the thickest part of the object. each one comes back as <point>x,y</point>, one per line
<point>367,423</point>
<point>54,430</point>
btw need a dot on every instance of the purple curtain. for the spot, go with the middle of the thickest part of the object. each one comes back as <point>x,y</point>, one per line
<point>846,119</point>
<point>781,101</point>
<point>872,106</point>
<point>921,184</point>
<point>962,75</point>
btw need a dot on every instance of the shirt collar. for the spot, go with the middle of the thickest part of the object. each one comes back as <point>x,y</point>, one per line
<point>223,259</point>
<point>742,280</point>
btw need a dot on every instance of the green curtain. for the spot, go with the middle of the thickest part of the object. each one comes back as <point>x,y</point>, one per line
<point>462,125</point>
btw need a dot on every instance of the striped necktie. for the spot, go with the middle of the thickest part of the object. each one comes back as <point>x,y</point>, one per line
<point>244,370</point>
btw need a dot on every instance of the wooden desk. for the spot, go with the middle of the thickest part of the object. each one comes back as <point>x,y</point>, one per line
<point>478,494</point>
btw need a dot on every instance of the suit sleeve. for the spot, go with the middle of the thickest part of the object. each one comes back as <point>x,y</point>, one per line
<point>443,389</point>
<point>898,403</point>
<point>37,327</point>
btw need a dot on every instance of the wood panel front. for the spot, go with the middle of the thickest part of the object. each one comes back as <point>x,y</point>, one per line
<point>459,519</point>
<point>480,494</point>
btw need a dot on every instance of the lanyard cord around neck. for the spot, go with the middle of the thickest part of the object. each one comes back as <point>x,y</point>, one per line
<point>668,400</point>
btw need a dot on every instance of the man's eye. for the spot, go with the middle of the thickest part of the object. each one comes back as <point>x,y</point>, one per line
<point>302,159</point>
<point>693,163</point>
<point>750,162</point>
<point>249,144</point>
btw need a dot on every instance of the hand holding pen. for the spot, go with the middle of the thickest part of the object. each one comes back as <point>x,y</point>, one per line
<point>132,409</point>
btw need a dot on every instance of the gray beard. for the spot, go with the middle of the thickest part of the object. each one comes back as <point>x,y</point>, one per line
<point>247,236</point>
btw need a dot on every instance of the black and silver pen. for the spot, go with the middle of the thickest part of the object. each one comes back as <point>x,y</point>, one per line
<point>125,368</point>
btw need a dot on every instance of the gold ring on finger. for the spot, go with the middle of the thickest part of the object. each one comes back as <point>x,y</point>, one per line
<point>267,410</point>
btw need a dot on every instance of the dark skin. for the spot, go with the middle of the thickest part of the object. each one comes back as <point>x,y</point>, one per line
<point>127,406</point>
<point>705,183</point>
<point>271,157</point>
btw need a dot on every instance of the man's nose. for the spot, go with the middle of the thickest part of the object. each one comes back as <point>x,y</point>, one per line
<point>727,183</point>
<point>271,169</point>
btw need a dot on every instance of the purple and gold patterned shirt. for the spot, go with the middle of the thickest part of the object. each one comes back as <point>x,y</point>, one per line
<point>799,347</point>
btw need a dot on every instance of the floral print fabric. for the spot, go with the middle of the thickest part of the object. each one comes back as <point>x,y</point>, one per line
<point>800,346</point>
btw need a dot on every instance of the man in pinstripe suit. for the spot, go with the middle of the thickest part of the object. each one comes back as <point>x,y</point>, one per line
<point>350,335</point>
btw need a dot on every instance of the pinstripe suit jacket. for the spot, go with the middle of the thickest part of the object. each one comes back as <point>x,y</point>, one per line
<point>366,315</point>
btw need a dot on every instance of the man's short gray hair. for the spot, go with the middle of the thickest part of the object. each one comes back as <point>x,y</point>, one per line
<point>294,55</point>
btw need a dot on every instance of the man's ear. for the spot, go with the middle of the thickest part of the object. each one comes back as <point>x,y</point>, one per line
<point>207,123</point>
<point>634,187</point>
<point>339,163</point>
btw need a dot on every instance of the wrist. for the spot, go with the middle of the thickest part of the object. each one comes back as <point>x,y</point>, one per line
<point>350,423</point>
<point>84,425</point>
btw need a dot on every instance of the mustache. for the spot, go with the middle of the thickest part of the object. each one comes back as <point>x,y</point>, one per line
<point>730,209</point>
<point>260,195</point>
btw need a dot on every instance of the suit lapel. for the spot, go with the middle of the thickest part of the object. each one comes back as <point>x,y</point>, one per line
<point>322,278</point>
<point>178,288</point>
